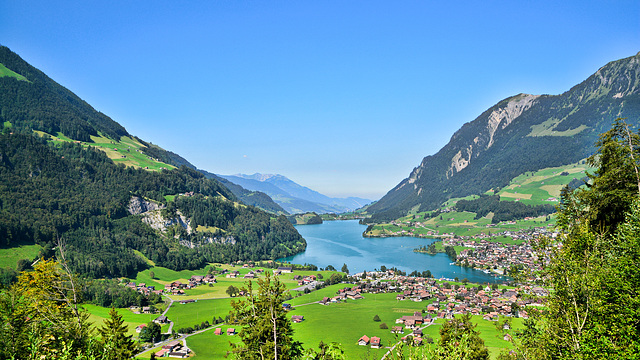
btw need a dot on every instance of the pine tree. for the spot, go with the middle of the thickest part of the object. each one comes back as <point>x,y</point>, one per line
<point>116,343</point>
<point>266,331</point>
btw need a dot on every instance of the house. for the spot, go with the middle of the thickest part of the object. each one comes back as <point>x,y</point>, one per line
<point>161,320</point>
<point>375,342</point>
<point>297,318</point>
<point>231,331</point>
<point>397,330</point>
<point>186,301</point>
<point>140,327</point>
<point>218,331</point>
<point>363,341</point>
<point>285,269</point>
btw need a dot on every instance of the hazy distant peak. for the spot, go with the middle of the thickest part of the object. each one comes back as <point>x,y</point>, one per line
<point>259,177</point>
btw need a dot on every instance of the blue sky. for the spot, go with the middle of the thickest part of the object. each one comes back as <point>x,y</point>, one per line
<point>345,97</point>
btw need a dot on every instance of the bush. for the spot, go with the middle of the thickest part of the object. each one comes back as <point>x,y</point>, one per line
<point>383,326</point>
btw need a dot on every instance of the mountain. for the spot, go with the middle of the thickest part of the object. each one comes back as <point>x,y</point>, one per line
<point>293,197</point>
<point>69,173</point>
<point>519,134</point>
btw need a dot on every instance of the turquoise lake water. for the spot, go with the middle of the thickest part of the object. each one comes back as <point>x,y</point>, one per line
<point>341,242</point>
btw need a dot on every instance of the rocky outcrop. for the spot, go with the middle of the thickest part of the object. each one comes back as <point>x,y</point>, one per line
<point>225,240</point>
<point>138,205</point>
<point>519,134</point>
<point>157,221</point>
<point>498,119</point>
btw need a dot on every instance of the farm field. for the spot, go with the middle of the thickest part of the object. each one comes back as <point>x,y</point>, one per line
<point>9,256</point>
<point>98,314</point>
<point>127,151</point>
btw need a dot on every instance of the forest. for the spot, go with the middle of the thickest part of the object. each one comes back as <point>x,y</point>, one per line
<point>502,210</point>
<point>67,191</point>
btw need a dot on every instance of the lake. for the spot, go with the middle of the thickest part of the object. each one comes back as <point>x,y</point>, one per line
<point>341,242</point>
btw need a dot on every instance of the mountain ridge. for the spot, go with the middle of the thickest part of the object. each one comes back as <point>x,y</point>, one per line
<point>294,197</point>
<point>518,134</point>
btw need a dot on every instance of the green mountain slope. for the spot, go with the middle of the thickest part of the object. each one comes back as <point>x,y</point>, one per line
<point>68,172</point>
<point>519,134</point>
<point>40,104</point>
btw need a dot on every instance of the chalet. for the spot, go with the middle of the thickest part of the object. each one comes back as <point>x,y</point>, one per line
<point>186,301</point>
<point>161,320</point>
<point>146,309</point>
<point>218,331</point>
<point>231,331</point>
<point>297,318</point>
<point>397,330</point>
<point>363,341</point>
<point>375,342</point>
<point>178,285</point>
<point>325,300</point>
<point>285,269</point>
<point>140,327</point>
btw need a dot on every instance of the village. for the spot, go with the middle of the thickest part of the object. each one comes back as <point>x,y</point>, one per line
<point>443,299</point>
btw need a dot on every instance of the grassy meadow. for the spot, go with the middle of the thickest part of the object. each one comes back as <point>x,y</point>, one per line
<point>9,256</point>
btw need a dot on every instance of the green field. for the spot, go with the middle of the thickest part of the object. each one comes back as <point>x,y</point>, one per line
<point>190,314</point>
<point>131,320</point>
<point>9,256</point>
<point>127,151</point>
<point>4,71</point>
<point>535,188</point>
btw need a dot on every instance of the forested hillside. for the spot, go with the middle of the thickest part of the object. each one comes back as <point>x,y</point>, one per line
<point>49,192</point>
<point>70,190</point>
<point>519,134</point>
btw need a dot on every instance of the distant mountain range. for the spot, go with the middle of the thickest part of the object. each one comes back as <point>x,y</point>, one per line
<point>295,198</point>
<point>519,134</point>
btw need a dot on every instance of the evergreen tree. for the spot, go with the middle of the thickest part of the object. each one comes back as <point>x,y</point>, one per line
<point>266,331</point>
<point>117,345</point>
<point>345,269</point>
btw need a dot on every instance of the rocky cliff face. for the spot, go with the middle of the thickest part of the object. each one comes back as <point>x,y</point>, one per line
<point>499,118</point>
<point>519,134</point>
<point>138,205</point>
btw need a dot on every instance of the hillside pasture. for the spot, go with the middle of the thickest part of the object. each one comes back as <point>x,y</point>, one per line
<point>9,256</point>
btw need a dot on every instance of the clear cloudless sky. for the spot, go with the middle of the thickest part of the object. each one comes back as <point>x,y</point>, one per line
<point>345,97</point>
